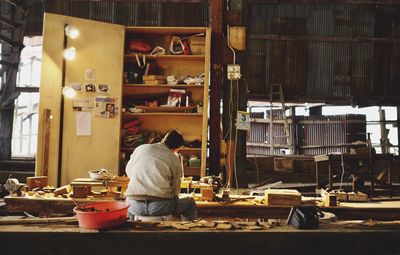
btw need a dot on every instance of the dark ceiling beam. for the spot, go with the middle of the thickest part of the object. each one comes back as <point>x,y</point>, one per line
<point>358,2</point>
<point>337,100</point>
<point>11,42</point>
<point>274,37</point>
<point>9,22</point>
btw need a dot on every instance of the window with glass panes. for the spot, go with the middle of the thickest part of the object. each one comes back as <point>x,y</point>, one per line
<point>25,127</point>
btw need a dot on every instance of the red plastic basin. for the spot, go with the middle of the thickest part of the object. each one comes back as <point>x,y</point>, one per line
<point>109,214</point>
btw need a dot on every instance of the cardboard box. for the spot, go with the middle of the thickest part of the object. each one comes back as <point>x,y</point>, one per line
<point>207,194</point>
<point>197,45</point>
<point>282,197</point>
<point>357,197</point>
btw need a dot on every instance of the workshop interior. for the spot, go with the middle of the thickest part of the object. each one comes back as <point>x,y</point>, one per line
<point>289,113</point>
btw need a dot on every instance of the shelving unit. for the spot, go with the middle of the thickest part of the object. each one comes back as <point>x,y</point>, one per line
<point>190,120</point>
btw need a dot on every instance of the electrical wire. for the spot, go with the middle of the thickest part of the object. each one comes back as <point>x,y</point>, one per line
<point>230,47</point>
<point>229,133</point>
<point>341,177</point>
<point>231,113</point>
<point>236,136</point>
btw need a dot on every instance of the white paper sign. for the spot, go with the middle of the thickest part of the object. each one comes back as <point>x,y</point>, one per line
<point>90,75</point>
<point>82,105</point>
<point>83,124</point>
<point>243,120</point>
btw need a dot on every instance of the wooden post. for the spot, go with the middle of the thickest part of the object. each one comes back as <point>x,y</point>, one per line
<point>293,132</point>
<point>216,84</point>
<point>61,130</point>
<point>46,142</point>
<point>384,132</point>
<point>398,127</point>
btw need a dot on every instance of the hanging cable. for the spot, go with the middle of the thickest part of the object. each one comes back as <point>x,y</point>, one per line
<point>230,47</point>
<point>236,136</point>
<point>341,177</point>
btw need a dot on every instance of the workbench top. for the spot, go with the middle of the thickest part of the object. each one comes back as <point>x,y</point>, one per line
<point>327,239</point>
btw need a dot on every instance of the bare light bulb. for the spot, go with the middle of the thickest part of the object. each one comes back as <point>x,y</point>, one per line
<point>70,53</point>
<point>71,32</point>
<point>68,92</point>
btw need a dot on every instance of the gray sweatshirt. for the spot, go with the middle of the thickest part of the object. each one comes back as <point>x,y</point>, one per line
<point>154,172</point>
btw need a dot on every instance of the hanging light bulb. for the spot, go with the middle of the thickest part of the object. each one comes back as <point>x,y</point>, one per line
<point>70,53</point>
<point>68,92</point>
<point>71,32</point>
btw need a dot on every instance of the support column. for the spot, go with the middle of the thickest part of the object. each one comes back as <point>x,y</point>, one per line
<point>216,85</point>
<point>398,128</point>
<point>384,132</point>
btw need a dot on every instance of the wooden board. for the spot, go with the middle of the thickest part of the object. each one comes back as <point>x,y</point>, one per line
<point>166,108</point>
<point>282,197</point>
<point>46,206</point>
<point>46,142</point>
<point>388,210</point>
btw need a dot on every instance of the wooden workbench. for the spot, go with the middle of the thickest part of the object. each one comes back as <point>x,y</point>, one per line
<point>327,239</point>
<point>389,210</point>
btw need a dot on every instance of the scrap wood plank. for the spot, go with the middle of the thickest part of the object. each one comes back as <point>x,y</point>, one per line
<point>8,221</point>
<point>46,142</point>
<point>39,206</point>
<point>282,197</point>
<point>224,226</point>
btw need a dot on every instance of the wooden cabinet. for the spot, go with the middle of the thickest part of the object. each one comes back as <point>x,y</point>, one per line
<point>166,91</point>
<point>101,47</point>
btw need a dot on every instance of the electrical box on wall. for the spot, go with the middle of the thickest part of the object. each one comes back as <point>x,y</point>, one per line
<point>234,72</point>
<point>237,37</point>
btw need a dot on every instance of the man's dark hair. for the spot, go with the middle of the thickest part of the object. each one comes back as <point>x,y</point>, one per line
<point>173,139</point>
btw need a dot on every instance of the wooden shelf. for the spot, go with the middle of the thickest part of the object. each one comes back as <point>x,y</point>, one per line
<point>163,113</point>
<point>132,85</point>
<point>168,57</point>
<point>166,30</point>
<point>127,149</point>
<point>186,149</point>
<point>189,149</point>
<point>173,109</point>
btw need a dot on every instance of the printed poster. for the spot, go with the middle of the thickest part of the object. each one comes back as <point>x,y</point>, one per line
<point>106,107</point>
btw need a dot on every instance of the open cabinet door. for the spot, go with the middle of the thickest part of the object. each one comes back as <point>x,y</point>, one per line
<point>99,47</point>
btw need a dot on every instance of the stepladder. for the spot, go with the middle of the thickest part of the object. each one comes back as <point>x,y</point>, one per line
<point>277,116</point>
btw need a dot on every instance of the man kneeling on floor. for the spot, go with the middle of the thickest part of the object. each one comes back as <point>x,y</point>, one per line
<point>155,180</point>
